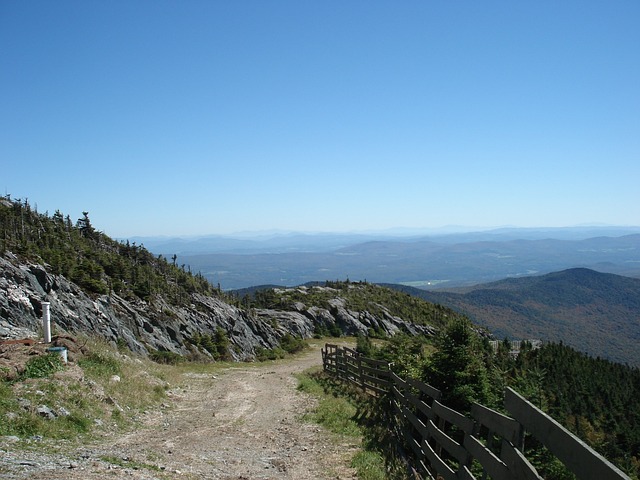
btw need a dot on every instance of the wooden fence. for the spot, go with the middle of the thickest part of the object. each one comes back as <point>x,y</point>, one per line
<point>448,445</point>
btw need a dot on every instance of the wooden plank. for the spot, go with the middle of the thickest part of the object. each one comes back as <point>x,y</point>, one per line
<point>398,396</point>
<point>505,426</point>
<point>375,363</point>
<point>517,463</point>
<point>415,446</point>
<point>401,383</point>
<point>422,468</point>
<point>425,388</point>
<point>380,382</point>
<point>491,464</point>
<point>454,449</point>
<point>379,391</point>
<point>453,417</point>
<point>578,457</point>
<point>374,370</point>
<point>349,351</point>
<point>465,474</point>
<point>437,464</point>
<point>418,424</point>
<point>420,405</point>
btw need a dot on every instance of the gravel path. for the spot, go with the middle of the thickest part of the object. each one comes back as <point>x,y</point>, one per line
<point>242,423</point>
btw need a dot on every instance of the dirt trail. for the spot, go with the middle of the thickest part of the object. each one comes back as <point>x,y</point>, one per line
<point>242,423</point>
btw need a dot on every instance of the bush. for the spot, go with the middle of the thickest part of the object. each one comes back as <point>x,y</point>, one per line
<point>264,354</point>
<point>364,346</point>
<point>166,358</point>
<point>291,344</point>
<point>42,366</point>
<point>218,344</point>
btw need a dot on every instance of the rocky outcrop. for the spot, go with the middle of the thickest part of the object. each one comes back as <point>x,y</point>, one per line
<point>157,325</point>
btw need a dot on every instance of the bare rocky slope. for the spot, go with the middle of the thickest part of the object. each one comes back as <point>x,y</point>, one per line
<point>144,326</point>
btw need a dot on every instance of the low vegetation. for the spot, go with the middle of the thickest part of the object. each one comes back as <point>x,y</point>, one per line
<point>103,390</point>
<point>347,415</point>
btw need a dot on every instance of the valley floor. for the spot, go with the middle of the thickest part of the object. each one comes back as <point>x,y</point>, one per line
<point>244,422</point>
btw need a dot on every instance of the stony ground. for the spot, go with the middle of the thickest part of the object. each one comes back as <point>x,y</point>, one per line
<point>241,423</point>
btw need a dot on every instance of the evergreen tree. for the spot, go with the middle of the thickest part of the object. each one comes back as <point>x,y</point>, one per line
<point>457,369</point>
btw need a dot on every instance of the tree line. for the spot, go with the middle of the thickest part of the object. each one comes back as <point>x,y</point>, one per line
<point>93,260</point>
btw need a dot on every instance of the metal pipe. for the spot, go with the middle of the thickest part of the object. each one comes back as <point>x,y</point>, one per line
<point>46,322</point>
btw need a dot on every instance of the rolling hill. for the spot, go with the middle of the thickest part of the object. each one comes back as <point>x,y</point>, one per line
<point>597,313</point>
<point>433,262</point>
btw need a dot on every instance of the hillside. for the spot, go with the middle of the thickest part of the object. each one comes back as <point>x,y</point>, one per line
<point>152,305</point>
<point>597,313</point>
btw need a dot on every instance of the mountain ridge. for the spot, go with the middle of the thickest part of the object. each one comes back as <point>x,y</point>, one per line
<point>594,312</point>
<point>425,263</point>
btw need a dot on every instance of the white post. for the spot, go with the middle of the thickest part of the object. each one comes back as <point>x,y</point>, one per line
<point>46,322</point>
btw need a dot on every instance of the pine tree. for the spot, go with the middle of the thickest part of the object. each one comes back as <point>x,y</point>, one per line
<point>457,369</point>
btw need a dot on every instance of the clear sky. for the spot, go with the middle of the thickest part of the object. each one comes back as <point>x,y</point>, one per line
<point>201,117</point>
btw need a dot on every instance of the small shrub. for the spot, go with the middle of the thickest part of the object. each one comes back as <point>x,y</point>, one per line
<point>264,354</point>
<point>364,345</point>
<point>291,344</point>
<point>166,358</point>
<point>42,366</point>
<point>218,344</point>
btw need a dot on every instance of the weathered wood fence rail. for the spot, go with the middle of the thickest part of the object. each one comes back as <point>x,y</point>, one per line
<point>446,444</point>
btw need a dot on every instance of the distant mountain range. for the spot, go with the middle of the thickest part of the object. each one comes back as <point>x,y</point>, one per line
<point>597,313</point>
<point>576,285</point>
<point>438,261</point>
<point>290,242</point>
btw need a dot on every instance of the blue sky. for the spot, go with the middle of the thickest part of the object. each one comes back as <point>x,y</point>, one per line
<point>202,117</point>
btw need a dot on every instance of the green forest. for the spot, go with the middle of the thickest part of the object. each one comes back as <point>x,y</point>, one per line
<point>596,399</point>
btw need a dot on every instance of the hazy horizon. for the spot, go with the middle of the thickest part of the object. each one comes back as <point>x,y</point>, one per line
<point>392,231</point>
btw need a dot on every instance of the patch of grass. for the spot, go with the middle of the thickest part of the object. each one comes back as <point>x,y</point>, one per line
<point>7,401</point>
<point>369,465</point>
<point>42,366</point>
<point>100,363</point>
<point>127,463</point>
<point>347,412</point>
<point>307,383</point>
<point>82,401</point>
<point>337,414</point>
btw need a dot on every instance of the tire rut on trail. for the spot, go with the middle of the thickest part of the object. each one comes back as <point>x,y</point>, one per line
<point>241,423</point>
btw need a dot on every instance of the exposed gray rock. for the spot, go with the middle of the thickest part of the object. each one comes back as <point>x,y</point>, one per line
<point>46,412</point>
<point>63,412</point>
<point>157,325</point>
